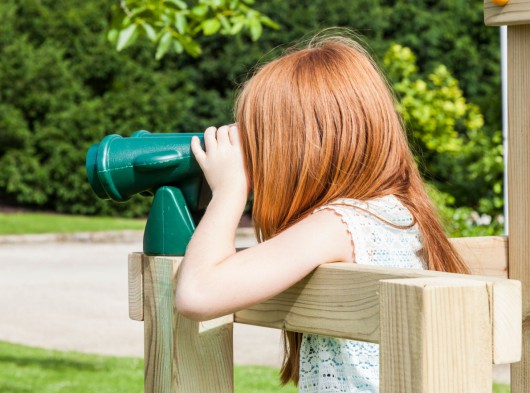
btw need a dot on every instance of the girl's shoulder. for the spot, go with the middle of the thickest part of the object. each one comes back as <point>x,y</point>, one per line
<point>385,210</point>
<point>382,230</point>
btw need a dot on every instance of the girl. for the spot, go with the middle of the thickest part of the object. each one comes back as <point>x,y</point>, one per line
<point>320,144</point>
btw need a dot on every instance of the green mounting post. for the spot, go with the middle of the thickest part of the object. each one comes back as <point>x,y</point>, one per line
<point>153,164</point>
<point>169,226</point>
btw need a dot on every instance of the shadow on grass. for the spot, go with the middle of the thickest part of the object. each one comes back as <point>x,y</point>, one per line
<point>52,363</point>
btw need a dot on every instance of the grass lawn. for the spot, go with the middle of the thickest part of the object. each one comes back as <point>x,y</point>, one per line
<point>27,370</point>
<point>23,223</point>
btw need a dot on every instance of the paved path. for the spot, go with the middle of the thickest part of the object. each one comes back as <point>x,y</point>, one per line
<point>73,296</point>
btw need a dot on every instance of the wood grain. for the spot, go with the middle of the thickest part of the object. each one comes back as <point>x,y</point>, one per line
<point>435,336</point>
<point>342,300</point>
<point>158,326</point>
<point>135,286</point>
<point>516,12</point>
<point>182,355</point>
<point>485,256</point>
<point>203,355</point>
<point>519,186</point>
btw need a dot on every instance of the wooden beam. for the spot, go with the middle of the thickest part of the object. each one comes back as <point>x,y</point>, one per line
<point>342,300</point>
<point>158,325</point>
<point>135,285</point>
<point>519,186</point>
<point>435,336</point>
<point>485,256</point>
<point>515,12</point>
<point>182,355</point>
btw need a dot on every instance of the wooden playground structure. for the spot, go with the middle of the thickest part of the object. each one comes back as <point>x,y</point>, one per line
<point>438,332</point>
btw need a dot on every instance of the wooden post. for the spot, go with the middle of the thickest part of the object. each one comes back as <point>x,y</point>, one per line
<point>516,15</point>
<point>435,336</point>
<point>519,186</point>
<point>181,355</point>
<point>158,325</point>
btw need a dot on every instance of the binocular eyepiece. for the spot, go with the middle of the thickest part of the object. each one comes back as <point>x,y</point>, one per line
<point>153,164</point>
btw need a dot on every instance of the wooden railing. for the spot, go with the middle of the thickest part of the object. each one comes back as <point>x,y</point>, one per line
<point>438,332</point>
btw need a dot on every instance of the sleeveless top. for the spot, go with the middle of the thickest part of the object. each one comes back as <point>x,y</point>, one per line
<point>335,365</point>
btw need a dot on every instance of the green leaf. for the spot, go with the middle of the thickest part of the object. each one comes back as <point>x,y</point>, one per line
<point>138,11</point>
<point>269,22</point>
<point>181,23</point>
<point>112,35</point>
<point>237,27</point>
<point>149,31</point>
<point>210,26</point>
<point>255,29</point>
<point>127,36</point>
<point>199,10</point>
<point>177,46</point>
<point>216,3</point>
<point>191,46</point>
<point>181,5</point>
<point>224,22</point>
<point>163,45</point>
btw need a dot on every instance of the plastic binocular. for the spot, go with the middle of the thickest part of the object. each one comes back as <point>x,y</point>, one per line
<point>152,164</point>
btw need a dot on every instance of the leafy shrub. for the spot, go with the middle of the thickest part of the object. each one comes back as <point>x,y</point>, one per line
<point>63,87</point>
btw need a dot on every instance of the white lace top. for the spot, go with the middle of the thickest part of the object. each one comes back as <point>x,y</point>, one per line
<point>334,365</point>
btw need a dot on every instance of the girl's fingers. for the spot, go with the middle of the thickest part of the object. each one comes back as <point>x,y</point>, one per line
<point>196,149</point>
<point>209,139</point>
<point>222,135</point>
<point>233,133</point>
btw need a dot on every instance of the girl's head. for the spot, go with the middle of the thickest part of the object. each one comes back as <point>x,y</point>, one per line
<point>320,123</point>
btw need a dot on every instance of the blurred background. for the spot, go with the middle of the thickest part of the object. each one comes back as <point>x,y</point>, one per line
<point>73,71</point>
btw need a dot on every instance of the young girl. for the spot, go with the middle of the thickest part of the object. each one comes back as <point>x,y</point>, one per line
<point>318,141</point>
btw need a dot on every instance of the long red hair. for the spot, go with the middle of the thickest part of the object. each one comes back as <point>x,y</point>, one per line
<point>320,123</point>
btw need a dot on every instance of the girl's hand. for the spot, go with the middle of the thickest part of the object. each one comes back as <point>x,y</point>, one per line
<point>222,162</point>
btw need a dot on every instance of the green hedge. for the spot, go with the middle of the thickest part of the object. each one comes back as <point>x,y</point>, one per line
<point>64,87</point>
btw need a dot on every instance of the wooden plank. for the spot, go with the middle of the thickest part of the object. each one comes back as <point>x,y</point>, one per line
<point>516,12</point>
<point>158,326</point>
<point>204,351</point>
<point>342,300</point>
<point>519,186</point>
<point>182,355</point>
<point>135,285</point>
<point>485,256</point>
<point>435,336</point>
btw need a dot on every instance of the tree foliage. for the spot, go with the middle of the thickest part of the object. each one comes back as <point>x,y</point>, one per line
<point>172,25</point>
<point>456,154</point>
<point>63,86</point>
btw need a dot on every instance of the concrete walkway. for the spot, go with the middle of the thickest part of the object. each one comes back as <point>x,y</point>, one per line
<point>72,295</point>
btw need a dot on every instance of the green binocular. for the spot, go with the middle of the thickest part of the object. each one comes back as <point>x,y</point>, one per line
<point>153,164</point>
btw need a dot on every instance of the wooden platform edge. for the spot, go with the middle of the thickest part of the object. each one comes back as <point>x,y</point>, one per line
<point>516,12</point>
<point>341,300</point>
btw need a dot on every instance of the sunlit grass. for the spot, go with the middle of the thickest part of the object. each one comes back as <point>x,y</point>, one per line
<point>25,369</point>
<point>28,370</point>
<point>27,223</point>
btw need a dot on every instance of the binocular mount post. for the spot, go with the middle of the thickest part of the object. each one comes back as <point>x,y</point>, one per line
<point>169,225</point>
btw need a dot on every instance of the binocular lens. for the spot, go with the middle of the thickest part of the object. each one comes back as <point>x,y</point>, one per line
<point>92,172</point>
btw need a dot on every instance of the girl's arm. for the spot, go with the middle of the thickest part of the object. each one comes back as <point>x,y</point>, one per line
<point>213,279</point>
